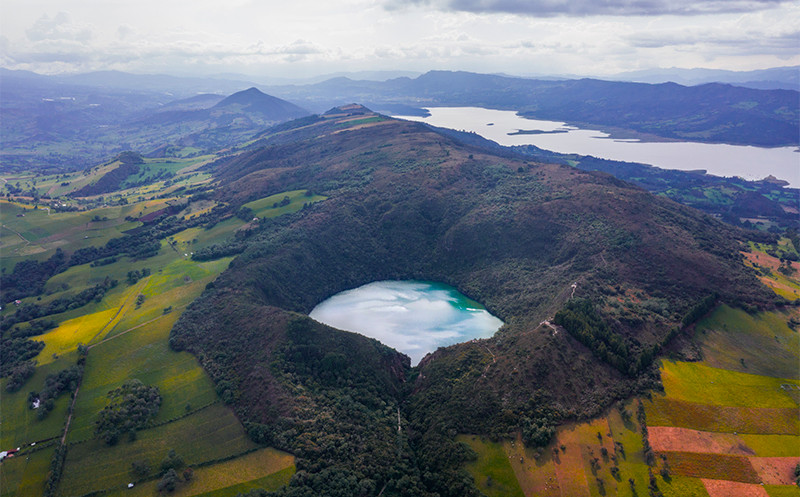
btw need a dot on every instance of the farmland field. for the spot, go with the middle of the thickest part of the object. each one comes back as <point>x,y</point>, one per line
<point>264,468</point>
<point>127,335</point>
<point>209,434</point>
<point>492,464</point>
<point>718,430</point>
<point>25,475</point>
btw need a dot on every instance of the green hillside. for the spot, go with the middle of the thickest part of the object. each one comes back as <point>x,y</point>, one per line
<point>194,277</point>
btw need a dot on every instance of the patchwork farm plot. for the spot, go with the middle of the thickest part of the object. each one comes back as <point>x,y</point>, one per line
<point>717,430</point>
<point>120,335</point>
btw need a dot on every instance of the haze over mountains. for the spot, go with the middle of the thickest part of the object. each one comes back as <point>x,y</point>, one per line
<point>80,119</point>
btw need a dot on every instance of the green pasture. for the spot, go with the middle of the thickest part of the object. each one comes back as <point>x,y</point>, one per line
<point>181,272</point>
<point>269,483</point>
<point>760,344</point>
<point>153,167</point>
<point>175,286</point>
<point>192,239</point>
<point>703,384</point>
<point>266,468</point>
<point>25,475</point>
<point>680,486</point>
<point>631,465</point>
<point>209,434</point>
<point>662,411</point>
<point>142,353</point>
<point>40,232</point>
<point>19,423</point>
<point>782,490</point>
<point>264,207</point>
<point>773,445</point>
<point>492,471</point>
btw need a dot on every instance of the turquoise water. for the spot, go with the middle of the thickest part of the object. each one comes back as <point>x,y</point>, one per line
<point>414,317</point>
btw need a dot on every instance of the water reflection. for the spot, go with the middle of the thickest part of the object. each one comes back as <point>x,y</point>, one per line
<point>414,317</point>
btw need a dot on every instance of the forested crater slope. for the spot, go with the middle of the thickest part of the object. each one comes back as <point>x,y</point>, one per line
<point>620,270</point>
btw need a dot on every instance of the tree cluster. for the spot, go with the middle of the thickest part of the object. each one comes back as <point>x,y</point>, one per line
<point>28,311</point>
<point>130,408</point>
<point>29,276</point>
<point>55,385</point>
<point>580,318</point>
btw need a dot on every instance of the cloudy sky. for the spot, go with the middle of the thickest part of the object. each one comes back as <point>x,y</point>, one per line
<point>301,38</point>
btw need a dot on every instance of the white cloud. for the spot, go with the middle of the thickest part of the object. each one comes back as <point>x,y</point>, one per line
<point>312,37</point>
<point>580,8</point>
<point>58,28</point>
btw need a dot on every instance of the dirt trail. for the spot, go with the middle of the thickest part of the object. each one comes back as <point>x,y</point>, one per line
<point>27,242</point>
<point>69,418</point>
<point>125,304</point>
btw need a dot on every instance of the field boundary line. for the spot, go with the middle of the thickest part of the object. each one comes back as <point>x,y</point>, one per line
<point>27,242</point>
<point>121,308</point>
<point>131,329</point>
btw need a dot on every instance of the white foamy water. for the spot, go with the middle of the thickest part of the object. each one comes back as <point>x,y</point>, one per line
<point>414,317</point>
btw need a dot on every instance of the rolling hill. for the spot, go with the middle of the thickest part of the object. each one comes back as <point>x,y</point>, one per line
<point>643,340</point>
<point>54,124</point>
<point>407,203</point>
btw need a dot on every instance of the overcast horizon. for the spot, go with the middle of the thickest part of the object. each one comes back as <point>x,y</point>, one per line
<point>310,38</point>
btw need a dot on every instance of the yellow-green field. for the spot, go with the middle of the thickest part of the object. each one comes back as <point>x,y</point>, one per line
<point>493,467</point>
<point>718,430</point>
<point>127,333</point>
<point>760,344</point>
<point>269,469</point>
<point>209,434</point>
<point>264,207</point>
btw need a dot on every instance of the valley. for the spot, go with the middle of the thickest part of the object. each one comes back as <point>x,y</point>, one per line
<point>646,347</point>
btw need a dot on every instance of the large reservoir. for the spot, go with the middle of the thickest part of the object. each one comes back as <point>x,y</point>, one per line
<point>507,128</point>
<point>414,317</point>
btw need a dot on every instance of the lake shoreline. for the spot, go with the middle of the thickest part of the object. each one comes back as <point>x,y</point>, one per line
<point>509,128</point>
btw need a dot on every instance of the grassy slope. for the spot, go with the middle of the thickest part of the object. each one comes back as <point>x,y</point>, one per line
<point>211,433</point>
<point>493,467</point>
<point>130,341</point>
<point>749,413</point>
<point>265,468</point>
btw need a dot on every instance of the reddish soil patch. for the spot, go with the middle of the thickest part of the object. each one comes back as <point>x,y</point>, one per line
<point>723,488</point>
<point>775,470</point>
<point>673,439</point>
<point>712,466</point>
<point>766,260</point>
<point>776,284</point>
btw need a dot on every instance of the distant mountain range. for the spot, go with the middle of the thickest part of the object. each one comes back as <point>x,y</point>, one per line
<point>57,122</point>
<point>77,120</point>
<point>778,78</point>
<point>711,112</point>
